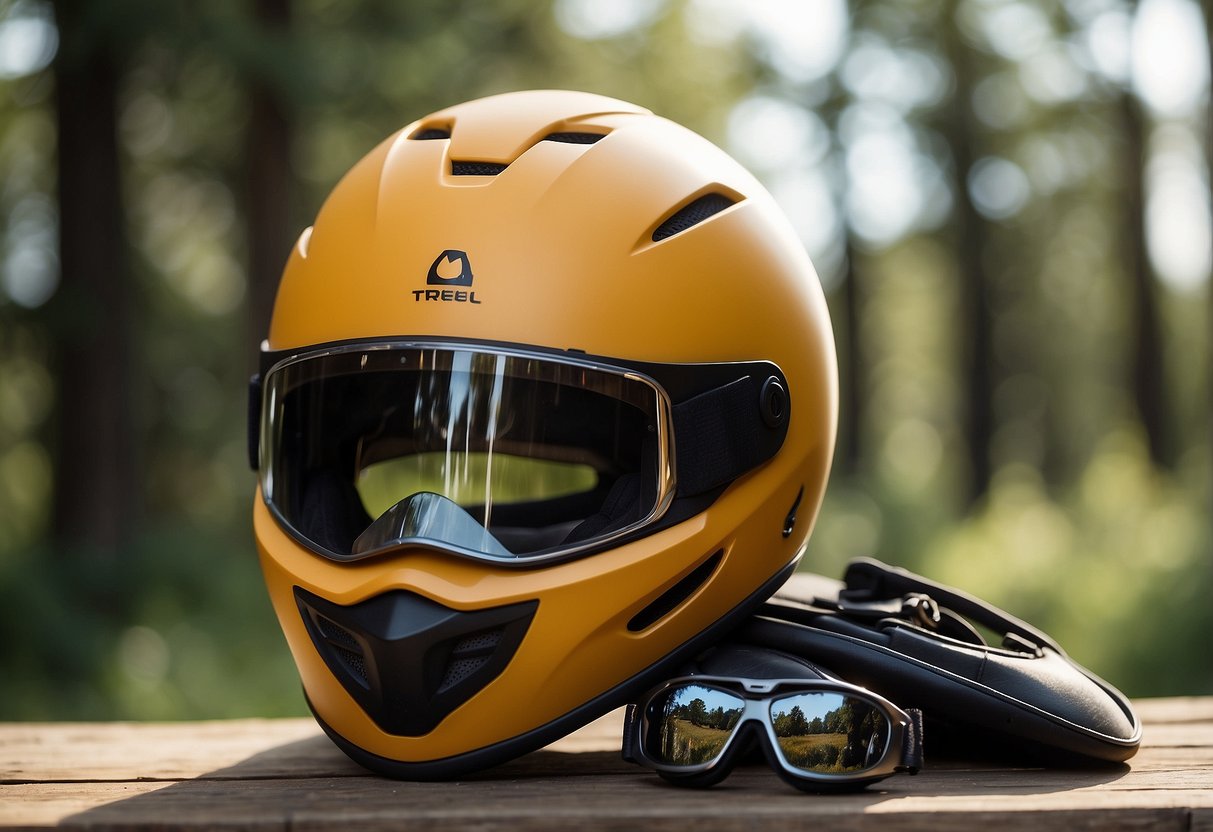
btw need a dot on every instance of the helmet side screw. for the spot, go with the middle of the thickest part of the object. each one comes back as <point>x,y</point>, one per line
<point>773,402</point>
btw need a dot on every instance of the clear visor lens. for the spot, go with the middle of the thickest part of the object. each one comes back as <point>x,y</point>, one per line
<point>483,453</point>
<point>828,733</point>
<point>691,725</point>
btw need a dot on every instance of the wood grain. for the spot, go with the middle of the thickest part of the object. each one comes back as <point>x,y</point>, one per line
<point>284,774</point>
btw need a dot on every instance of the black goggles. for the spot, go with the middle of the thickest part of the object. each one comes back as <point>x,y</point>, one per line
<point>818,735</point>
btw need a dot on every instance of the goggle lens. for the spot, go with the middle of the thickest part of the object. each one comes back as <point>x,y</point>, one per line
<point>690,725</point>
<point>827,733</point>
<point>819,734</point>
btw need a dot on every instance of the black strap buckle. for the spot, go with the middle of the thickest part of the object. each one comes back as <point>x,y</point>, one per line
<point>916,608</point>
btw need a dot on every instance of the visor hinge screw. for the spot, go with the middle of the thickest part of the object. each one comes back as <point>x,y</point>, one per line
<point>773,402</point>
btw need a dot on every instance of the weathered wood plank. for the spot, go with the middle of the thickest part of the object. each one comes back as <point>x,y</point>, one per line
<point>82,752</point>
<point>95,752</point>
<point>1180,709</point>
<point>605,801</point>
<point>279,774</point>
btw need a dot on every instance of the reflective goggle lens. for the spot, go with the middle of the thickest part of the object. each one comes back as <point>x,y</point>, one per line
<point>827,733</point>
<point>690,725</point>
<point>818,734</point>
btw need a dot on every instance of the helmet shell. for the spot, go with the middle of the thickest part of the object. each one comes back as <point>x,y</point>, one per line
<point>559,243</point>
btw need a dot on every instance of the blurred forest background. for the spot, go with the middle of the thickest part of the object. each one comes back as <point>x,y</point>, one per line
<point>1007,201</point>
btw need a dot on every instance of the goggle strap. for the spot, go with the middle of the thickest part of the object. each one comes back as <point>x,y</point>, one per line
<point>631,730</point>
<point>723,433</point>
<point>254,421</point>
<point>911,743</point>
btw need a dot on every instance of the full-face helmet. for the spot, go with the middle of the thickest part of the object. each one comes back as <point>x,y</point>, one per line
<point>547,403</point>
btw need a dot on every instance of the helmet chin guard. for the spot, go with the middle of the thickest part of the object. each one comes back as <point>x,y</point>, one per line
<point>547,404</point>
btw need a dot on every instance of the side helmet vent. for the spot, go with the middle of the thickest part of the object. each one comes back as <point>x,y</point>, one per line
<point>691,214</point>
<point>665,603</point>
<point>476,168</point>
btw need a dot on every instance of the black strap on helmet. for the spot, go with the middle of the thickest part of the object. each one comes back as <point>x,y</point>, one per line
<point>726,431</point>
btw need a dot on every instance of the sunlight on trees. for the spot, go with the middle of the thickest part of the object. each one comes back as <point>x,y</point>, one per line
<point>1008,202</point>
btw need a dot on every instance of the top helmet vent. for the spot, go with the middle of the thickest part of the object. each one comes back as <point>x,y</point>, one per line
<point>431,133</point>
<point>692,214</point>
<point>574,138</point>
<point>476,168</point>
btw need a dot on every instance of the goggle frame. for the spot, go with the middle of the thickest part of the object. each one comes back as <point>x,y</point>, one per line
<point>902,751</point>
<point>682,492</point>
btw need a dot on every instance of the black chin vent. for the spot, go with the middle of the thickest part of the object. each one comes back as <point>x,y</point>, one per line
<point>430,133</point>
<point>476,168</point>
<point>675,595</point>
<point>409,661</point>
<point>573,138</point>
<point>692,214</point>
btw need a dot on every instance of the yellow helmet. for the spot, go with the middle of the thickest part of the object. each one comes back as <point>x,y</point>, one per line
<point>547,404</point>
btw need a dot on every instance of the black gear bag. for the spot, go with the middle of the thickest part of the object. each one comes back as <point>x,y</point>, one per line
<point>914,642</point>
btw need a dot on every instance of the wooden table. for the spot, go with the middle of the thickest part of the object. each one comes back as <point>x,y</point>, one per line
<point>284,774</point>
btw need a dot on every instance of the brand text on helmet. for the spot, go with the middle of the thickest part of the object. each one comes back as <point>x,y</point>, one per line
<point>455,295</point>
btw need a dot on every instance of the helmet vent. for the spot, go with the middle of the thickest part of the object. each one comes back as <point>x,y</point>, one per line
<point>344,646</point>
<point>409,661</point>
<point>574,138</point>
<point>476,168</point>
<point>354,662</point>
<point>692,214</point>
<point>468,655</point>
<point>430,133</point>
<point>675,595</point>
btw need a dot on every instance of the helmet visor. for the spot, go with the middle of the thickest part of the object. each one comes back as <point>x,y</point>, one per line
<point>492,454</point>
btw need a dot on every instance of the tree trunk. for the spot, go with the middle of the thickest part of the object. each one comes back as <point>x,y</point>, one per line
<point>96,490</point>
<point>970,230</point>
<point>1207,8</point>
<point>1149,391</point>
<point>268,145</point>
<point>852,405</point>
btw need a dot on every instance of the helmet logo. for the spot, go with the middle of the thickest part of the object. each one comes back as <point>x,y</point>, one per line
<point>451,268</point>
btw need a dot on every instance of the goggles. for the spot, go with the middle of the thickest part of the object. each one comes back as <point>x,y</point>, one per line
<point>496,453</point>
<point>818,735</point>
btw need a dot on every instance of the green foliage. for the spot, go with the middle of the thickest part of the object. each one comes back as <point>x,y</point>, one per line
<point>509,479</point>
<point>687,743</point>
<point>794,723</point>
<point>176,626</point>
<point>1115,567</point>
<point>1081,531</point>
<point>817,753</point>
